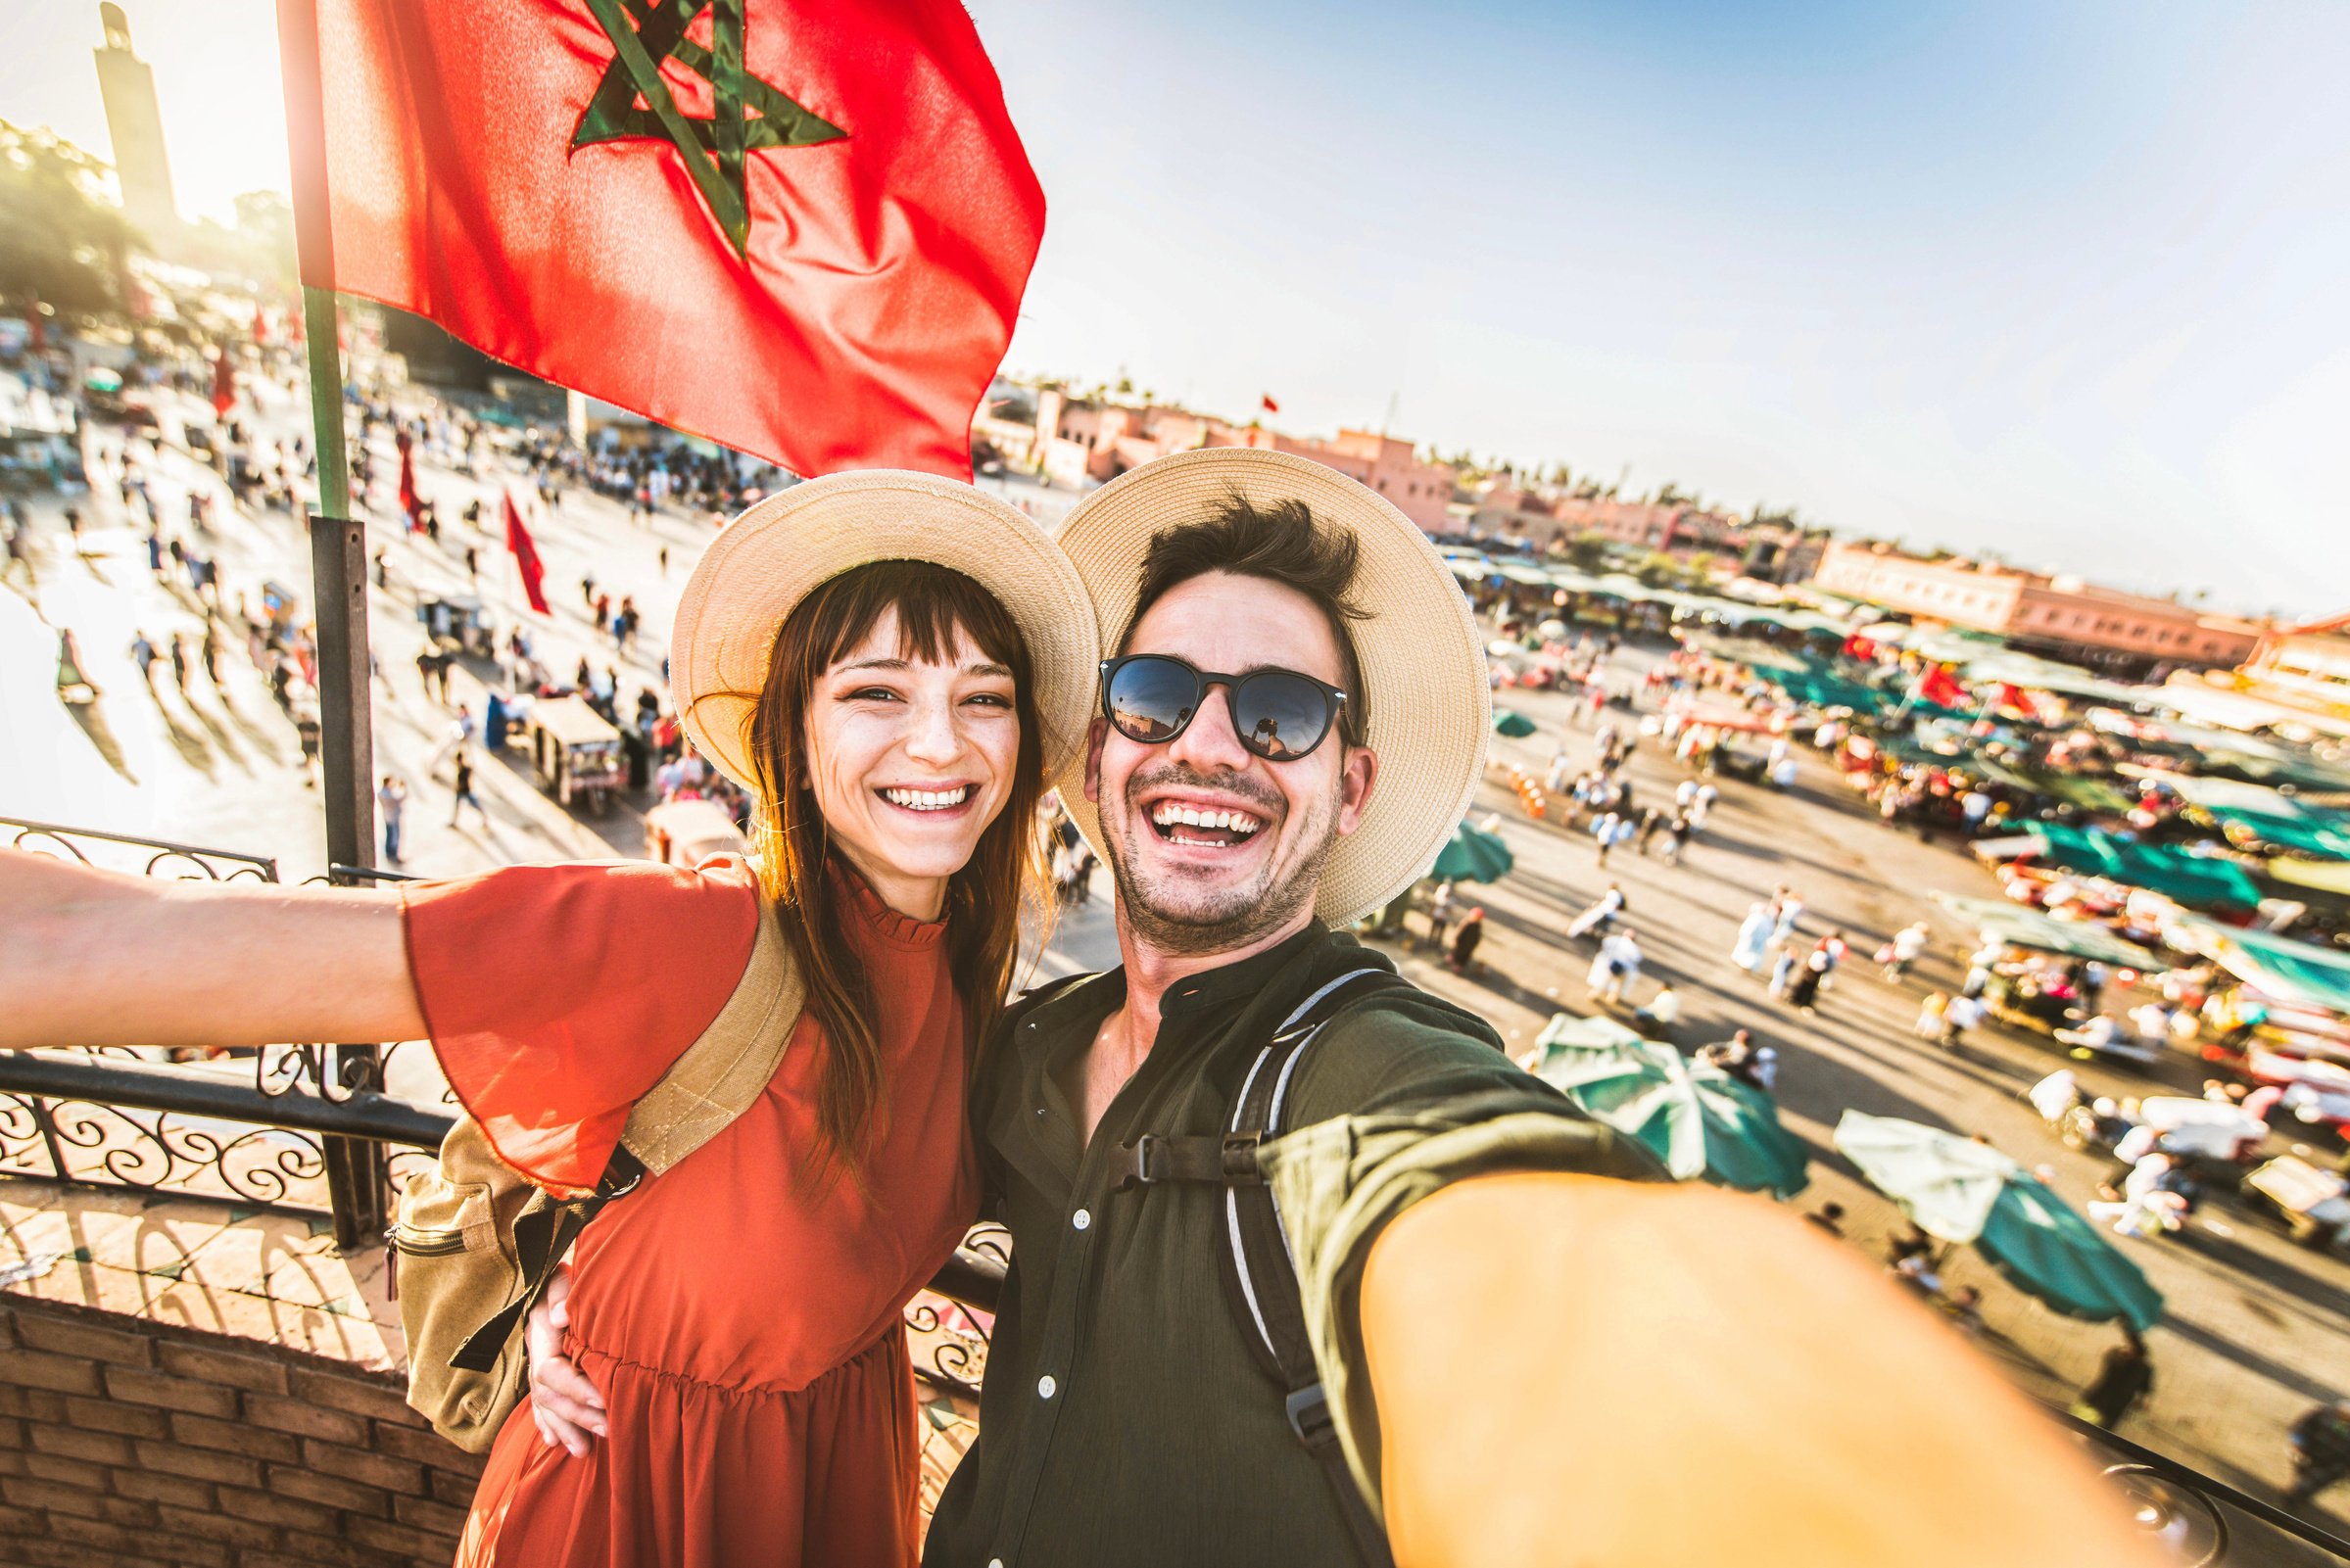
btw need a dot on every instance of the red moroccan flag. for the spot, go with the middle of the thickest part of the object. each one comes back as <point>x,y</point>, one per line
<point>526,558</point>
<point>1271,407</point>
<point>410,501</point>
<point>815,256</point>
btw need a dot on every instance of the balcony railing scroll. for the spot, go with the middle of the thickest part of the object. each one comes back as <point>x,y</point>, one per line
<point>310,1130</point>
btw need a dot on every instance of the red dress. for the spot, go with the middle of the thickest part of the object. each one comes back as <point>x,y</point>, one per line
<point>742,1328</point>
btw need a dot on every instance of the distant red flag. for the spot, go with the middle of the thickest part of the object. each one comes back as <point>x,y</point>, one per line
<point>261,325</point>
<point>1941,688</point>
<point>410,501</point>
<point>224,384</point>
<point>801,228</point>
<point>526,558</point>
<point>1271,407</point>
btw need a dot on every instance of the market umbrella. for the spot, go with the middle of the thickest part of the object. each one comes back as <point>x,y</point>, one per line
<point>1958,1190</point>
<point>1512,723</point>
<point>1697,1119</point>
<point>1472,855</point>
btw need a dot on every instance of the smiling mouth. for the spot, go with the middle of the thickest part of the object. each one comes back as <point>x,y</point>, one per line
<point>1202,827</point>
<point>929,799</point>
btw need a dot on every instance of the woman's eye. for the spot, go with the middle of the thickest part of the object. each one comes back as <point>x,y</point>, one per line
<point>992,699</point>
<point>870,693</point>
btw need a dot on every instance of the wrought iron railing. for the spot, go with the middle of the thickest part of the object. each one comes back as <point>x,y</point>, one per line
<point>310,1130</point>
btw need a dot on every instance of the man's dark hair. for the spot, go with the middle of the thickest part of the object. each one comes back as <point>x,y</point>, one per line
<point>1282,542</point>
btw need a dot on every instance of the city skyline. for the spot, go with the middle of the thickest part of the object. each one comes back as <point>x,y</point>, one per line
<point>2054,285</point>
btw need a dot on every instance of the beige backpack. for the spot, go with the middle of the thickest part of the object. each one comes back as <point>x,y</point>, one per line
<point>474,1244</point>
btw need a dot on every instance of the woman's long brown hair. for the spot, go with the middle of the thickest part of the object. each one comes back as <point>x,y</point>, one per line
<point>984,900</point>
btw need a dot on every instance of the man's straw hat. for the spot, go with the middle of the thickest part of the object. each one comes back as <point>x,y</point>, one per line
<point>1423,667</point>
<point>762,564</point>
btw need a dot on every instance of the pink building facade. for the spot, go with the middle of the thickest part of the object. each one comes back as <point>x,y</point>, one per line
<point>1074,442</point>
<point>2073,618</point>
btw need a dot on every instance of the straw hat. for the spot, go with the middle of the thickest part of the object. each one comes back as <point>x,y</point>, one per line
<point>761,565</point>
<point>1423,664</point>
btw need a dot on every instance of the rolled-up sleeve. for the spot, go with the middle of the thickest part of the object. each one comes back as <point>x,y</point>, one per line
<point>1400,1097</point>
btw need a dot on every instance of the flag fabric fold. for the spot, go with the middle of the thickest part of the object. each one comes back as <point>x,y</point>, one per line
<point>816,258</point>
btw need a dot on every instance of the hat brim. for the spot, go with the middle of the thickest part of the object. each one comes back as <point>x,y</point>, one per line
<point>1423,664</point>
<point>763,563</point>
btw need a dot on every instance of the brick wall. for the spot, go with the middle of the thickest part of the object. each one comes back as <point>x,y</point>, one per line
<point>125,1442</point>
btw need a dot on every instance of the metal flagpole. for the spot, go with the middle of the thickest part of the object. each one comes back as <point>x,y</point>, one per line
<point>354,1168</point>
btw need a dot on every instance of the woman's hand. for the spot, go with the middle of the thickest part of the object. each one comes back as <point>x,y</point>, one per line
<point>98,958</point>
<point>562,1401</point>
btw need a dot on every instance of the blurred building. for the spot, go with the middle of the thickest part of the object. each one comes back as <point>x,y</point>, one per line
<point>2062,616</point>
<point>1075,441</point>
<point>137,126</point>
<point>2304,668</point>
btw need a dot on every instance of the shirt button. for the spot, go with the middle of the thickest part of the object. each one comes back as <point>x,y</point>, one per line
<point>1081,1220</point>
<point>1046,1387</point>
<point>995,1563</point>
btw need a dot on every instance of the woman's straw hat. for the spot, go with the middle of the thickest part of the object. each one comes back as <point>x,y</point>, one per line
<point>764,562</point>
<point>1423,667</point>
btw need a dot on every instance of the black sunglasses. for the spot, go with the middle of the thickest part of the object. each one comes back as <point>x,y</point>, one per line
<point>1280,715</point>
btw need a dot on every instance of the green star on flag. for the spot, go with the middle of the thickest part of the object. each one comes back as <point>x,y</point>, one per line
<point>748,113</point>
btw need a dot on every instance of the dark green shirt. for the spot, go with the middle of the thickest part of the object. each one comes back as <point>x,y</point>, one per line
<point>1122,1420</point>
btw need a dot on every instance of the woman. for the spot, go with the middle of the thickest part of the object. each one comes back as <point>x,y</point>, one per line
<point>1804,992</point>
<point>892,663</point>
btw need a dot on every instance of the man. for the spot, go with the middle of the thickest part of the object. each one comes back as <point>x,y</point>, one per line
<point>2321,1443</point>
<point>1962,1013</point>
<point>461,796</point>
<point>1616,966</point>
<point>2125,1374</point>
<point>390,804</point>
<point>1291,727</point>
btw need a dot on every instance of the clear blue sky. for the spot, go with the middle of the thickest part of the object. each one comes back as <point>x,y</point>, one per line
<point>2064,279</point>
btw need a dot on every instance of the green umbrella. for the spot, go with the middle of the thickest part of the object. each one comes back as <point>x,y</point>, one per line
<point>1512,723</point>
<point>1962,1191</point>
<point>1472,855</point>
<point>1697,1119</point>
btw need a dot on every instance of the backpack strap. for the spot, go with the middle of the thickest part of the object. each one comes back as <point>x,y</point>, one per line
<point>729,1066</point>
<point>1260,1272</point>
<point>717,1078</point>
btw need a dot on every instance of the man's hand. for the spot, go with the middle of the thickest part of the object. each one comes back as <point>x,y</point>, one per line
<point>1575,1370</point>
<point>565,1404</point>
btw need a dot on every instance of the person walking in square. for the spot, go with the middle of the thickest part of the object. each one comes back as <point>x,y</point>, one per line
<point>460,793</point>
<point>391,805</point>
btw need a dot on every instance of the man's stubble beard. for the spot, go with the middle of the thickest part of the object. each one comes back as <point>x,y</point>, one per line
<point>1251,915</point>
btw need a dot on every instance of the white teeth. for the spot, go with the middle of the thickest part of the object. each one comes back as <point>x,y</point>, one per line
<point>1172,815</point>
<point>927,799</point>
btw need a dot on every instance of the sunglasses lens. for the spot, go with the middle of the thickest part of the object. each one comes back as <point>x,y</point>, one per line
<point>1280,715</point>
<point>1152,699</point>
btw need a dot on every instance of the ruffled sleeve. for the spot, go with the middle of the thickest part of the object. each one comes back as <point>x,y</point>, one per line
<point>557,995</point>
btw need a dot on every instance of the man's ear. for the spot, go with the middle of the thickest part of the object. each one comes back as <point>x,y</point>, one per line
<point>1096,734</point>
<point>1357,772</point>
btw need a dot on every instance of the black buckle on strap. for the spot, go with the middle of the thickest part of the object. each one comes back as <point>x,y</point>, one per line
<point>1239,1151</point>
<point>1310,1416</point>
<point>1139,1163</point>
<point>1228,1160</point>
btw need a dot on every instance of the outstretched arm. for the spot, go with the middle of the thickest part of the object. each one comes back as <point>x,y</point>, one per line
<point>1575,1370</point>
<point>97,958</point>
